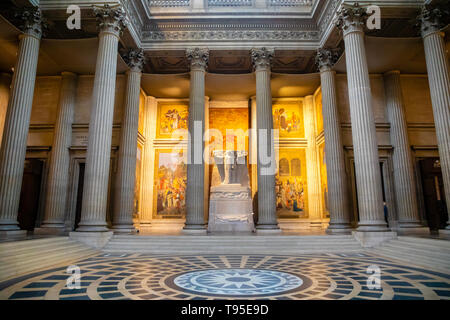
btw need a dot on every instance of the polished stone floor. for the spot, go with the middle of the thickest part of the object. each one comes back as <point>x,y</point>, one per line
<point>321,276</point>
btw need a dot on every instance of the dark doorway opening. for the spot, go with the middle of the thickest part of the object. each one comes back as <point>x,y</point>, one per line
<point>433,192</point>
<point>79,195</point>
<point>29,195</point>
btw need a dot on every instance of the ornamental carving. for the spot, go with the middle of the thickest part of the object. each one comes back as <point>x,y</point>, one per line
<point>262,58</point>
<point>198,58</point>
<point>431,19</point>
<point>135,59</point>
<point>110,19</point>
<point>326,58</point>
<point>351,18</point>
<point>33,22</point>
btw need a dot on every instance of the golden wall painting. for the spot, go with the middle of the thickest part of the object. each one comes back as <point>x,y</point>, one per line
<point>323,178</point>
<point>233,120</point>
<point>319,114</point>
<point>169,199</point>
<point>137,186</point>
<point>288,119</point>
<point>290,187</point>
<point>172,116</point>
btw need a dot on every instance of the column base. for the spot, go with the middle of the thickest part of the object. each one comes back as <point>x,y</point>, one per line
<point>92,227</point>
<point>95,240</point>
<point>339,228</point>
<point>194,230</point>
<point>444,231</point>
<point>13,234</point>
<point>413,231</point>
<point>124,228</point>
<point>373,239</point>
<point>373,226</point>
<point>315,224</point>
<point>51,231</point>
<point>268,229</point>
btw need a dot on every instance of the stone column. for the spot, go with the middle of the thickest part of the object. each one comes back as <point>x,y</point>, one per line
<point>267,219</point>
<point>14,142</point>
<point>312,165</point>
<point>195,222</point>
<point>334,149</point>
<point>58,176</point>
<point>404,183</point>
<point>95,193</point>
<point>126,172</point>
<point>368,177</point>
<point>438,78</point>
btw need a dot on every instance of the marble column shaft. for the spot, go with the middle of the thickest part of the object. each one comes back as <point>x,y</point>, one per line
<point>126,172</point>
<point>95,192</point>
<point>14,142</point>
<point>312,165</point>
<point>198,58</point>
<point>58,176</point>
<point>404,182</point>
<point>334,150</point>
<point>365,147</point>
<point>439,81</point>
<point>267,219</point>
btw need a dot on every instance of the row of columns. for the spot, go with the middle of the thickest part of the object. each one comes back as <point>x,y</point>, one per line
<point>93,217</point>
<point>351,21</point>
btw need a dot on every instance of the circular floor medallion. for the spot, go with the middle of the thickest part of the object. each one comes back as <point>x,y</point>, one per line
<point>237,282</point>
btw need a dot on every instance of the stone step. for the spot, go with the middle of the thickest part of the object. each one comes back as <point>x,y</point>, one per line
<point>33,255</point>
<point>21,243</point>
<point>432,252</point>
<point>229,251</point>
<point>432,243</point>
<point>19,267</point>
<point>34,247</point>
<point>414,259</point>
<point>29,253</point>
<point>419,248</point>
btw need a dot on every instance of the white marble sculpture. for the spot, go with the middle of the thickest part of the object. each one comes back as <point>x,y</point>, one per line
<point>230,208</point>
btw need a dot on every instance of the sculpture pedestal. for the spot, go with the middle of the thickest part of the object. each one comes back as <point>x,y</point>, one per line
<point>230,209</point>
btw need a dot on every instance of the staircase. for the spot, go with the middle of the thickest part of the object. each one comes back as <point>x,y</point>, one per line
<point>21,257</point>
<point>425,252</point>
<point>233,244</point>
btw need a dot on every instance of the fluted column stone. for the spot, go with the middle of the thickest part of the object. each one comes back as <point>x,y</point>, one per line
<point>14,142</point>
<point>195,220</point>
<point>312,165</point>
<point>126,171</point>
<point>404,182</point>
<point>368,178</point>
<point>58,176</point>
<point>267,219</point>
<point>334,150</point>
<point>438,78</point>
<point>95,192</point>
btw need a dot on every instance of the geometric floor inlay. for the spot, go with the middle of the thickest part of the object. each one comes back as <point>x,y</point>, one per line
<point>197,277</point>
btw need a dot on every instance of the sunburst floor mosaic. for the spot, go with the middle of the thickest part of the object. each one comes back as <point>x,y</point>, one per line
<point>324,276</point>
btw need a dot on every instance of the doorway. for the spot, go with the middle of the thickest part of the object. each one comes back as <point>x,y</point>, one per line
<point>29,194</point>
<point>433,192</point>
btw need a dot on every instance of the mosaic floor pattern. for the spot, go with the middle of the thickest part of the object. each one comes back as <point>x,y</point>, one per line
<point>321,276</point>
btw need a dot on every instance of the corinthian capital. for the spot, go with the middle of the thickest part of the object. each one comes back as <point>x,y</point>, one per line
<point>33,22</point>
<point>110,19</point>
<point>198,58</point>
<point>431,19</point>
<point>262,58</point>
<point>326,58</point>
<point>135,59</point>
<point>351,18</point>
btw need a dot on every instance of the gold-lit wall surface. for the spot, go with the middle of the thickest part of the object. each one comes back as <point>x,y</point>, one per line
<point>288,118</point>
<point>291,184</point>
<point>5,81</point>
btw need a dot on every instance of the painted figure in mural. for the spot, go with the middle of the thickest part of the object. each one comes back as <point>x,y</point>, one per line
<point>284,122</point>
<point>290,195</point>
<point>173,120</point>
